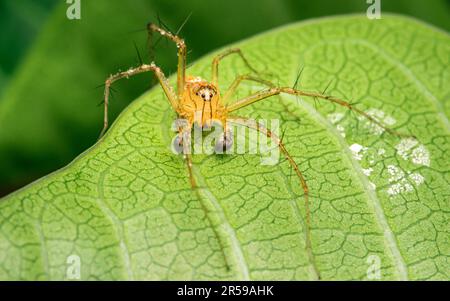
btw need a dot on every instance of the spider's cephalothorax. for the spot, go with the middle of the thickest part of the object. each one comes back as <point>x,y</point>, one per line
<point>199,102</point>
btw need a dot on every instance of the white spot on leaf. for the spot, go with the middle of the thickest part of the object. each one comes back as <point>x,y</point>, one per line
<point>367,171</point>
<point>389,120</point>
<point>417,178</point>
<point>335,117</point>
<point>410,148</point>
<point>421,156</point>
<point>395,173</point>
<point>400,183</point>
<point>405,146</point>
<point>358,151</point>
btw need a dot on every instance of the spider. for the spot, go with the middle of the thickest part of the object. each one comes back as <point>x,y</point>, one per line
<point>199,102</point>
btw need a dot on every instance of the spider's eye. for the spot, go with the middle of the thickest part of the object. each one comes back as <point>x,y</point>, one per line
<point>203,95</point>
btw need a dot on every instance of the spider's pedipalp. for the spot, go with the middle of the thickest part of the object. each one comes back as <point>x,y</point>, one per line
<point>177,144</point>
<point>225,142</point>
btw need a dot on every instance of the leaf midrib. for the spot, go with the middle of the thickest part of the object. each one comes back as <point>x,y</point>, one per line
<point>236,246</point>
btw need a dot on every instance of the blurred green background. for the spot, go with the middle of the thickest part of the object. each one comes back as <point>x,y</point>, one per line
<point>50,66</point>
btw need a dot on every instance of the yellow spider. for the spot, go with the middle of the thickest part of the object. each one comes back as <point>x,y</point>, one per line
<point>200,102</point>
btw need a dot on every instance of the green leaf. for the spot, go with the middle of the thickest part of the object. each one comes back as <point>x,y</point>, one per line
<point>126,210</point>
<point>50,99</point>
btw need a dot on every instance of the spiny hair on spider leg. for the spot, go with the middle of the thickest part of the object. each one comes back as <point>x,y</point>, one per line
<point>297,80</point>
<point>161,23</point>
<point>352,102</point>
<point>136,30</point>
<point>184,23</point>
<point>111,94</point>
<point>326,88</point>
<point>138,53</point>
<point>165,29</point>
<point>279,143</point>
<point>153,45</point>
<point>282,135</point>
<point>103,85</point>
<point>315,103</point>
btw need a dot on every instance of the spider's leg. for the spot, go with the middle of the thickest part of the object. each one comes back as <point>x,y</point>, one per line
<point>181,46</point>
<point>185,133</point>
<point>287,90</point>
<point>217,58</point>
<point>188,159</point>
<point>133,71</point>
<point>234,85</point>
<point>186,145</point>
<point>262,129</point>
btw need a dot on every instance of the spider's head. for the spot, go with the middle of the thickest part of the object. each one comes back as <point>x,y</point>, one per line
<point>202,99</point>
<point>205,91</point>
